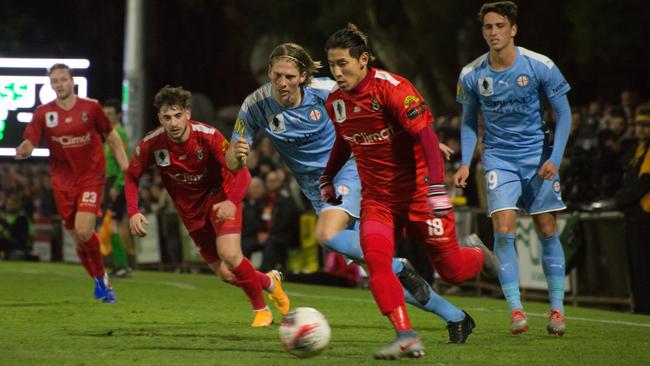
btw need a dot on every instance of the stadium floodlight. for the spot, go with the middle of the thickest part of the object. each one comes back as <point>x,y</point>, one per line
<point>10,151</point>
<point>33,63</point>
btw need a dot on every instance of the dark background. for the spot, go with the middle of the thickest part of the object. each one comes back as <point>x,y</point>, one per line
<point>601,46</point>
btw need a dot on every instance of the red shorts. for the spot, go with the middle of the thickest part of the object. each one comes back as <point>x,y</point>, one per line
<point>416,221</point>
<point>86,199</point>
<point>206,237</point>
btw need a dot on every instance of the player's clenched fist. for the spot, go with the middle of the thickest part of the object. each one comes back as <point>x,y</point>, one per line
<point>327,191</point>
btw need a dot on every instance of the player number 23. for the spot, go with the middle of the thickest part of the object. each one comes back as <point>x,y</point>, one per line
<point>89,197</point>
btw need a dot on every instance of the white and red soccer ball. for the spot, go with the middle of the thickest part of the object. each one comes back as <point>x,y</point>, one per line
<point>304,332</point>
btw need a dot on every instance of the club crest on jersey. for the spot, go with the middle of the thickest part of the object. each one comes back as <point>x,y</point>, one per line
<point>339,110</point>
<point>199,154</point>
<point>375,105</point>
<point>556,186</point>
<point>276,123</point>
<point>410,99</point>
<point>486,86</point>
<point>162,157</point>
<point>343,190</point>
<point>51,119</point>
<point>84,116</point>
<point>315,115</point>
<point>522,80</point>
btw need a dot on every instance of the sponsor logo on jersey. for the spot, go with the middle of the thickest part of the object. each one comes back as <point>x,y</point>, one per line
<point>486,86</point>
<point>51,119</point>
<point>276,123</point>
<point>364,138</point>
<point>339,110</point>
<point>417,110</point>
<point>522,80</point>
<point>375,105</point>
<point>225,145</point>
<point>410,99</point>
<point>72,141</point>
<point>199,154</point>
<point>184,177</point>
<point>560,86</point>
<point>315,115</point>
<point>162,157</point>
<point>356,109</point>
<point>137,150</point>
<point>84,116</point>
<point>343,189</point>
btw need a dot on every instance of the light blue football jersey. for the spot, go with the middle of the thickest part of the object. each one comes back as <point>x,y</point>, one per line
<point>303,136</point>
<point>511,100</point>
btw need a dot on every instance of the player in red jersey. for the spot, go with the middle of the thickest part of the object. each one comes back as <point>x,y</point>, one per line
<point>383,120</point>
<point>74,129</point>
<point>190,157</point>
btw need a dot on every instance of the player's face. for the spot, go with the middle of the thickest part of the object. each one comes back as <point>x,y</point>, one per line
<point>286,80</point>
<point>642,131</point>
<point>498,32</point>
<point>176,121</point>
<point>347,70</point>
<point>62,84</point>
<point>111,115</point>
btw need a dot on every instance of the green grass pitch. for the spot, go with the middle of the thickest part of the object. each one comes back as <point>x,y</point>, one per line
<point>48,317</point>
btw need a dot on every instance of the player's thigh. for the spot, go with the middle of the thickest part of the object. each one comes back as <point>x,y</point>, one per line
<point>228,237</point>
<point>205,240</point>
<point>542,195</point>
<point>377,220</point>
<point>503,189</point>
<point>66,204</point>
<point>437,234</point>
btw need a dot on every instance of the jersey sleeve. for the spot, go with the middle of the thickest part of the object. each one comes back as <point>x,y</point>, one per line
<point>407,106</point>
<point>246,124</point>
<point>218,146</point>
<point>140,161</point>
<point>465,94</point>
<point>35,127</point>
<point>103,125</point>
<point>552,82</point>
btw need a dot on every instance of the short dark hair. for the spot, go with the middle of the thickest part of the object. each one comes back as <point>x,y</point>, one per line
<point>506,9</point>
<point>60,66</point>
<point>113,103</point>
<point>350,38</point>
<point>173,96</point>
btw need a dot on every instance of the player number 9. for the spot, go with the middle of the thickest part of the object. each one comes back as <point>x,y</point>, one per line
<point>491,178</point>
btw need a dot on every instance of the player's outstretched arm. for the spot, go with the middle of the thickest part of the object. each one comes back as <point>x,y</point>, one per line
<point>24,150</point>
<point>237,154</point>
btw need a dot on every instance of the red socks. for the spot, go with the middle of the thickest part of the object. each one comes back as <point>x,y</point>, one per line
<point>249,280</point>
<point>90,256</point>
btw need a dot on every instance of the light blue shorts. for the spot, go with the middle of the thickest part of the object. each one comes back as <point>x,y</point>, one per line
<point>512,182</point>
<point>347,185</point>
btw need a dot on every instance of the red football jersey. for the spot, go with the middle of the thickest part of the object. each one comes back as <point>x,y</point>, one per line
<point>378,120</point>
<point>75,140</point>
<point>192,172</point>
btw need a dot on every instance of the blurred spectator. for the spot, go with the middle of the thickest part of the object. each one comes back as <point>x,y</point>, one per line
<point>254,230</point>
<point>15,234</point>
<point>629,103</point>
<point>634,200</point>
<point>281,216</point>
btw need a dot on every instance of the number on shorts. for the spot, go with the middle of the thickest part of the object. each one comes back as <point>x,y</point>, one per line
<point>492,179</point>
<point>435,227</point>
<point>89,197</point>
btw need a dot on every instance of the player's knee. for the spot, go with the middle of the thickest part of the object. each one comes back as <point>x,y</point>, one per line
<point>323,234</point>
<point>228,278</point>
<point>376,261</point>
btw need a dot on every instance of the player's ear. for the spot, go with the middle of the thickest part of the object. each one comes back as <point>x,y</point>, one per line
<point>364,59</point>
<point>513,31</point>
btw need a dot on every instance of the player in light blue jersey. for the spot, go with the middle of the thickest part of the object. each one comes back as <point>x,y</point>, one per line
<point>507,84</point>
<point>290,110</point>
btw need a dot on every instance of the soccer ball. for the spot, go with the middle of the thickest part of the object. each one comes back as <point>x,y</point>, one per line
<point>304,332</point>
